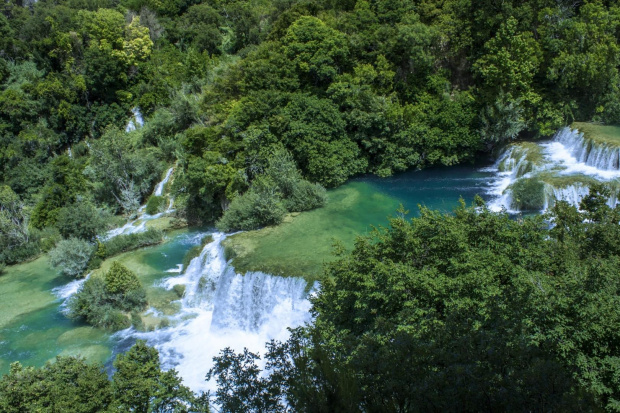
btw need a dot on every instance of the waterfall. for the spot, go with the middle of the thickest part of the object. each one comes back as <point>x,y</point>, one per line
<point>221,309</point>
<point>599,155</point>
<point>159,189</point>
<point>514,163</point>
<point>136,120</point>
<point>567,165</point>
<point>139,224</point>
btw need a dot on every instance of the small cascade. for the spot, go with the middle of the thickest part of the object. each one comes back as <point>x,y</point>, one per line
<point>601,156</point>
<point>222,309</point>
<point>562,168</point>
<point>139,224</point>
<point>159,189</point>
<point>136,121</point>
<point>66,291</point>
<point>515,162</point>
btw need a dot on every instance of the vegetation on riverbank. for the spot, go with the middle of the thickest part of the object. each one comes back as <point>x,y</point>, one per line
<point>598,133</point>
<point>341,88</point>
<point>70,384</point>
<point>500,314</point>
<point>106,301</point>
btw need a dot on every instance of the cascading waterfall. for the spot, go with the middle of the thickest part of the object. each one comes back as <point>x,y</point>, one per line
<point>586,151</point>
<point>563,168</point>
<point>222,309</point>
<point>136,120</point>
<point>139,224</point>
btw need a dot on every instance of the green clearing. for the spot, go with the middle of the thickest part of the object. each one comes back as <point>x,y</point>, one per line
<point>603,134</point>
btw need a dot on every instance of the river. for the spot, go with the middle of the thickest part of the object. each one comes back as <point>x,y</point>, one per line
<point>221,308</point>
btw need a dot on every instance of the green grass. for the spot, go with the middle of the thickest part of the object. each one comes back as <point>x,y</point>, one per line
<point>603,134</point>
<point>303,242</point>
<point>563,181</point>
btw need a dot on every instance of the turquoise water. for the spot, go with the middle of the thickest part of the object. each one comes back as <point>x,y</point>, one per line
<point>42,331</point>
<point>34,329</point>
<point>436,188</point>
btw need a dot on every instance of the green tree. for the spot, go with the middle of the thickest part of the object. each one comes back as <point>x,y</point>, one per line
<point>318,52</point>
<point>139,385</point>
<point>67,384</point>
<point>71,256</point>
<point>120,279</point>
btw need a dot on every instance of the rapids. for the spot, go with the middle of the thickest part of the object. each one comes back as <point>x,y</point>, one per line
<point>220,308</point>
<point>562,168</point>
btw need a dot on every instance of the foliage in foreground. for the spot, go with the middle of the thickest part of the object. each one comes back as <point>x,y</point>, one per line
<point>71,385</point>
<point>106,302</point>
<point>473,311</point>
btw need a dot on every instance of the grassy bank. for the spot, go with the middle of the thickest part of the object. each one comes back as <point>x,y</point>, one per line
<point>604,134</point>
<point>303,242</point>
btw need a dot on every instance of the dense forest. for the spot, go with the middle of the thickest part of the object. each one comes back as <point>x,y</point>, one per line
<point>335,89</point>
<point>259,106</point>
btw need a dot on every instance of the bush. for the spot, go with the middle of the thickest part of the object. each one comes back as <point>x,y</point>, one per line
<point>155,204</point>
<point>178,289</point>
<point>49,237</point>
<point>80,220</point>
<point>279,190</point>
<point>104,302</point>
<point>528,195</point>
<point>70,256</point>
<point>306,196</point>
<point>121,280</point>
<point>124,243</point>
<point>260,206</point>
<point>20,253</point>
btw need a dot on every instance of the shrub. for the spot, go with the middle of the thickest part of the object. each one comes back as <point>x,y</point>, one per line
<point>179,290</point>
<point>49,237</point>
<point>93,305</point>
<point>306,196</point>
<point>20,253</point>
<point>120,279</point>
<point>279,190</point>
<point>103,302</point>
<point>80,220</point>
<point>260,206</point>
<point>124,243</point>
<point>528,195</point>
<point>155,204</point>
<point>70,256</point>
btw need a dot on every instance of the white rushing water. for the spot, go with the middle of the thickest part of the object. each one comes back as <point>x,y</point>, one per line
<point>136,120</point>
<point>565,165</point>
<point>159,189</point>
<point>139,224</point>
<point>224,309</point>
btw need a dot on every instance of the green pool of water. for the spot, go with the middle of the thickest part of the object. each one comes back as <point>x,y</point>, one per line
<point>302,245</point>
<point>33,328</point>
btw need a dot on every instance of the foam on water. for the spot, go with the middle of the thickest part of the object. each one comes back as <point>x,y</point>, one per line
<point>567,154</point>
<point>139,224</point>
<point>224,309</point>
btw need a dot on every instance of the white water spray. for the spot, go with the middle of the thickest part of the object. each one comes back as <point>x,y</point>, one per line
<point>224,309</point>
<point>567,156</point>
<point>136,120</point>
